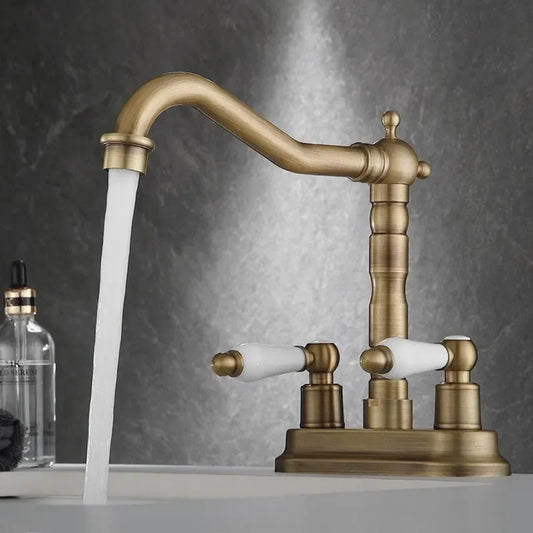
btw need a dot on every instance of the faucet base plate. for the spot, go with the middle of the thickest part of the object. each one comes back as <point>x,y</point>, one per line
<point>419,452</point>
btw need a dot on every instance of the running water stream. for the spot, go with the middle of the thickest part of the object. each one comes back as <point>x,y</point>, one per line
<point>122,189</point>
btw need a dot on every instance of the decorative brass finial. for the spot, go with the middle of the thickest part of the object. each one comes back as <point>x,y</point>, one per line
<point>390,120</point>
<point>377,360</point>
<point>424,170</point>
<point>227,364</point>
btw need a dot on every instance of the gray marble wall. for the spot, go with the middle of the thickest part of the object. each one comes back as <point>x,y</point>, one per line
<point>228,248</point>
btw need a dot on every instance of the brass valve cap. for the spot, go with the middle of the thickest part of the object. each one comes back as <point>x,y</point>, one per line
<point>321,357</point>
<point>463,358</point>
<point>404,166</point>
<point>463,354</point>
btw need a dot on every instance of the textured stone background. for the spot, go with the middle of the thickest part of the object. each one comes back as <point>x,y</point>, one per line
<point>228,248</point>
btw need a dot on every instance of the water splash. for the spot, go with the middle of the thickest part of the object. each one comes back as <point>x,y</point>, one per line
<point>121,194</point>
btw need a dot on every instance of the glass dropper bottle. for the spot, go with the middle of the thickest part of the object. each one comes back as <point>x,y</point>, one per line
<point>27,371</point>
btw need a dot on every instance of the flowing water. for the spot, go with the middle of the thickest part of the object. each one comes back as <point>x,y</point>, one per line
<point>121,194</point>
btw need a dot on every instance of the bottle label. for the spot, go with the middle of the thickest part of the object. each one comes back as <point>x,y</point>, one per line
<point>27,390</point>
<point>16,373</point>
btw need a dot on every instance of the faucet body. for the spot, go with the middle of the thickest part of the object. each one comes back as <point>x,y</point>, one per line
<point>128,146</point>
<point>388,444</point>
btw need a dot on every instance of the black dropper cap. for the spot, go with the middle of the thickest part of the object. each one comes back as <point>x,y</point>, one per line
<point>19,298</point>
<point>18,274</point>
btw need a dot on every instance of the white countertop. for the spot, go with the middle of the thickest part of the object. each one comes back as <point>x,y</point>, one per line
<point>256,500</point>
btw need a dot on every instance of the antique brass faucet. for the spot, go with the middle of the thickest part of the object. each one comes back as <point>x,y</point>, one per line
<point>388,444</point>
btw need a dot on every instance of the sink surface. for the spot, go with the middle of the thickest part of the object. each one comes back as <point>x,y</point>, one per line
<point>143,482</point>
<point>229,499</point>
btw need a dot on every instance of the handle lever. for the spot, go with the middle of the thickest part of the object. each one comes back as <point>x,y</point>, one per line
<point>252,362</point>
<point>397,358</point>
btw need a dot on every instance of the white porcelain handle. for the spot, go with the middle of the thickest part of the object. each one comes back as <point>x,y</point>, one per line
<point>264,360</point>
<point>412,357</point>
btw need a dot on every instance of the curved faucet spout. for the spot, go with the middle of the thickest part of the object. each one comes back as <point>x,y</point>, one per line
<point>183,88</point>
<point>128,146</point>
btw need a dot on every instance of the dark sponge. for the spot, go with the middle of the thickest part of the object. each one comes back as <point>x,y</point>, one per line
<point>11,441</point>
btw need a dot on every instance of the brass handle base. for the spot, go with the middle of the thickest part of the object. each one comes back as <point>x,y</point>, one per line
<point>388,405</point>
<point>391,452</point>
<point>321,406</point>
